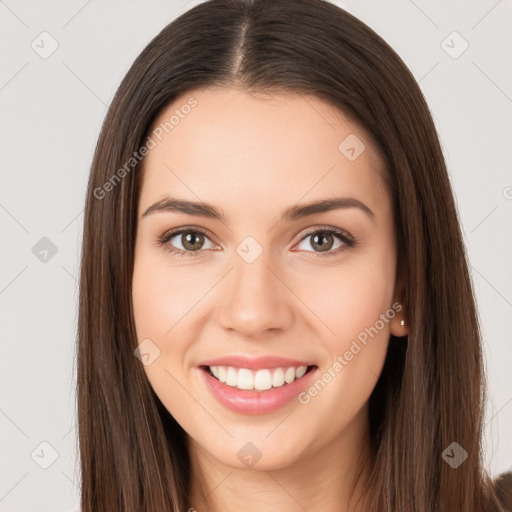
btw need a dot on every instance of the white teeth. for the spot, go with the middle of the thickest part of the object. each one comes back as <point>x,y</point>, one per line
<point>221,373</point>
<point>289,375</point>
<point>278,378</point>
<point>245,379</point>
<point>261,380</point>
<point>231,379</point>
<point>301,370</point>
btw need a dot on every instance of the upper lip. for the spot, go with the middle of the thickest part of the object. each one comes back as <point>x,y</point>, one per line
<point>254,363</point>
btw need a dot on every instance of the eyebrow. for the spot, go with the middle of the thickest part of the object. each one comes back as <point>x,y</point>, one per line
<point>292,213</point>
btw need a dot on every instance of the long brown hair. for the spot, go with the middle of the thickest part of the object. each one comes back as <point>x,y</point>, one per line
<point>431,392</point>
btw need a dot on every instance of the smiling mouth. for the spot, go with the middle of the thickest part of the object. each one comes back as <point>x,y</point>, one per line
<point>257,380</point>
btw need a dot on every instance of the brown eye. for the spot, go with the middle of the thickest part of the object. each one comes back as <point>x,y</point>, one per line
<point>186,242</point>
<point>322,241</point>
<point>192,240</point>
<point>328,241</point>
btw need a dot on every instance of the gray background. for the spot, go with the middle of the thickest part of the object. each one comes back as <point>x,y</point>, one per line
<point>52,109</point>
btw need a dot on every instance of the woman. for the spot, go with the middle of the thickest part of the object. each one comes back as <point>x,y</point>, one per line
<point>275,305</point>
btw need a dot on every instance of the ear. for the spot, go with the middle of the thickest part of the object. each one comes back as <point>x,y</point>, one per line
<point>396,327</point>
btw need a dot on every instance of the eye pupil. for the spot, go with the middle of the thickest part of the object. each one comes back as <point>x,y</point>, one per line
<point>321,240</point>
<point>189,238</point>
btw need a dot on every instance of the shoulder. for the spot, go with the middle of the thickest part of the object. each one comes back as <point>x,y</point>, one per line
<point>502,485</point>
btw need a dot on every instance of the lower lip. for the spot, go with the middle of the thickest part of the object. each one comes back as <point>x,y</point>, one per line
<point>255,402</point>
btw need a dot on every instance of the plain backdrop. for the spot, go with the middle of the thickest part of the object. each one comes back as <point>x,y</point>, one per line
<point>52,106</point>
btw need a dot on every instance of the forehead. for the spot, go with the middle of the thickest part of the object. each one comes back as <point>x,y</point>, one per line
<point>240,147</point>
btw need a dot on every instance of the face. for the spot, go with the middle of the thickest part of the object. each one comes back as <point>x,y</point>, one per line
<point>263,277</point>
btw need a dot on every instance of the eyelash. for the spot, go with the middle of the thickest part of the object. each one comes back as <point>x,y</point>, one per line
<point>348,241</point>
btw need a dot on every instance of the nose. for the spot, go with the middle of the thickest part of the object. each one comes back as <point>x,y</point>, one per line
<point>255,299</point>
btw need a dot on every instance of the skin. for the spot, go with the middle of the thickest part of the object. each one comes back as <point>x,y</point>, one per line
<point>251,156</point>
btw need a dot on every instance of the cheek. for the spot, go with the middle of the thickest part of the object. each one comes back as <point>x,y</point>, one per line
<point>166,299</point>
<point>161,294</point>
<point>357,310</point>
<point>350,298</point>
<point>158,305</point>
<point>150,299</point>
<point>161,298</point>
<point>354,303</point>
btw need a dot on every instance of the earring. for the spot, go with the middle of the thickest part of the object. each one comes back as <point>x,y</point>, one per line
<point>402,322</point>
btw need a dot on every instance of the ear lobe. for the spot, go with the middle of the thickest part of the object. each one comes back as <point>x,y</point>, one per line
<point>398,325</point>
